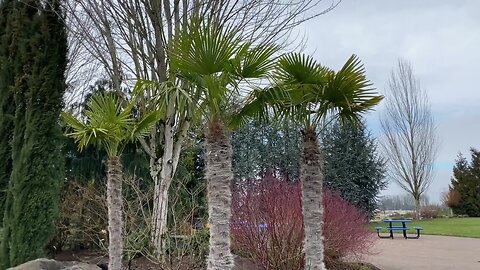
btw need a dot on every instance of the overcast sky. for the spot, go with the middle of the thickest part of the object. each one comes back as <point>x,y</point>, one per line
<point>441,40</point>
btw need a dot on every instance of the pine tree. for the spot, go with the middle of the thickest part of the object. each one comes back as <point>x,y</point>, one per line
<point>352,166</point>
<point>466,181</point>
<point>37,159</point>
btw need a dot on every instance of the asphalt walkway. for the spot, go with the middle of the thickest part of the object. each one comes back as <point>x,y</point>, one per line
<point>429,252</point>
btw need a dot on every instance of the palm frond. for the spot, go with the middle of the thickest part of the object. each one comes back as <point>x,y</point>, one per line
<point>296,68</point>
<point>303,76</point>
<point>349,91</point>
<point>261,105</point>
<point>145,125</point>
<point>203,48</point>
<point>311,92</point>
<point>255,61</point>
<point>107,124</point>
<point>72,121</point>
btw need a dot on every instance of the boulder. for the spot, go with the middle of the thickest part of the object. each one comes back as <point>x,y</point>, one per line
<point>46,264</point>
<point>82,266</point>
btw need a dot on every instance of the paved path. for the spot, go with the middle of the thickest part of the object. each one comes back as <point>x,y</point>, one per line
<point>428,252</point>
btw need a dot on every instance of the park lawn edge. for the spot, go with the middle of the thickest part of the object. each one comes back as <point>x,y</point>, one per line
<point>463,227</point>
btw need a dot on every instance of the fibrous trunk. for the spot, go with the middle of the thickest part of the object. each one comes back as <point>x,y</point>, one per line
<point>312,179</point>
<point>115,213</point>
<point>219,175</point>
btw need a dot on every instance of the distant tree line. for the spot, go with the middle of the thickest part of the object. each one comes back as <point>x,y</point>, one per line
<point>401,202</point>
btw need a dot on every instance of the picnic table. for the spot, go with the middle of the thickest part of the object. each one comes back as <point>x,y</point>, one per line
<point>391,228</point>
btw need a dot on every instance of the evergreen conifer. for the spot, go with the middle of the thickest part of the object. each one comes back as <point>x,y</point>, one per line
<point>466,181</point>
<point>352,165</point>
<point>6,99</point>
<point>39,52</point>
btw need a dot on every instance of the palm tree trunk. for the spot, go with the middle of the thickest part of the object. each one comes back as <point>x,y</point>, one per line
<point>115,213</point>
<point>312,180</point>
<point>219,176</point>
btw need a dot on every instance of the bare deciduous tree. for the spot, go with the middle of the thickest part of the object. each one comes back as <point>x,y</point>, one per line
<point>410,141</point>
<point>130,40</point>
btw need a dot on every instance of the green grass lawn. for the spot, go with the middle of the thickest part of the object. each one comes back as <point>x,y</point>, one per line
<point>462,227</point>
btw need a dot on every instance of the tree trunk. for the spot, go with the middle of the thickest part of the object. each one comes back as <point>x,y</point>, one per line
<point>159,215</point>
<point>219,175</point>
<point>162,170</point>
<point>417,208</point>
<point>115,213</point>
<point>311,176</point>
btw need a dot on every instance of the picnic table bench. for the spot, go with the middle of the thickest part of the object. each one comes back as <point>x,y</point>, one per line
<point>402,228</point>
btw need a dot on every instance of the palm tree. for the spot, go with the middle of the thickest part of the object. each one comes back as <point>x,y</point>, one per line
<point>213,58</point>
<point>309,93</point>
<point>109,125</point>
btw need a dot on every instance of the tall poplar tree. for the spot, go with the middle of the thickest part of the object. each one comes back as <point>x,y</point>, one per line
<point>38,48</point>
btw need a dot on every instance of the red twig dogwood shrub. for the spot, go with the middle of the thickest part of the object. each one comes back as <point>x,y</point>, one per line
<point>345,230</point>
<point>267,225</point>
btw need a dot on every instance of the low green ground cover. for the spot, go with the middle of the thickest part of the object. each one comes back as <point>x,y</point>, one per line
<point>462,227</point>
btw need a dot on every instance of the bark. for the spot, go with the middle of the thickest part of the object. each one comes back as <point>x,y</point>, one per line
<point>162,170</point>
<point>115,219</point>
<point>311,175</point>
<point>219,175</point>
<point>159,215</point>
<point>417,208</point>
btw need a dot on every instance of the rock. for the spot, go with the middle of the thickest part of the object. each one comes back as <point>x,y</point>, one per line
<point>46,264</point>
<point>39,264</point>
<point>82,266</point>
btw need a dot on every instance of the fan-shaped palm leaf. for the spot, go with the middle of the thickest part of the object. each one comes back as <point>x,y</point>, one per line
<point>107,124</point>
<point>214,59</point>
<point>252,62</point>
<point>348,93</point>
<point>203,48</point>
<point>306,91</point>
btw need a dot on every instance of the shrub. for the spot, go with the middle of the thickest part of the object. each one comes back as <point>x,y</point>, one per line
<point>451,198</point>
<point>431,211</point>
<point>82,223</point>
<point>267,225</point>
<point>345,229</point>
